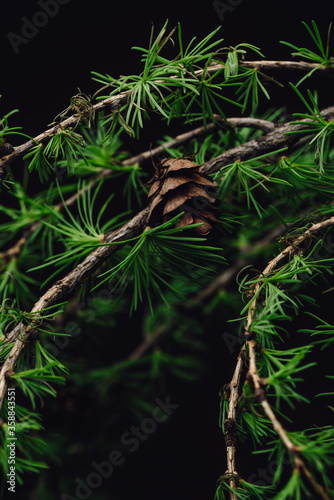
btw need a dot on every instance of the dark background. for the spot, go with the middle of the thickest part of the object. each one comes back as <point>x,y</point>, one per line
<point>184,459</point>
<point>40,79</point>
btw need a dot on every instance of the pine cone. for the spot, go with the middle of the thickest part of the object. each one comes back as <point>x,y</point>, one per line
<point>178,186</point>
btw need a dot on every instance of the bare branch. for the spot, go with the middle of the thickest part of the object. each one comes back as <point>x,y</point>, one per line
<point>278,65</point>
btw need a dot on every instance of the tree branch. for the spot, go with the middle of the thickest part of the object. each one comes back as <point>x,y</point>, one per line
<point>260,395</point>
<point>115,102</point>
<point>277,65</point>
<point>288,251</point>
<point>62,289</point>
<point>267,143</point>
<point>287,65</point>
<point>231,419</point>
<point>259,390</point>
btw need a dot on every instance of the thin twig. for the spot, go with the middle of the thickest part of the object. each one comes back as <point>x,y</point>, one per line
<point>288,251</point>
<point>259,389</point>
<point>287,65</point>
<point>277,65</point>
<point>64,288</point>
<point>115,102</point>
<point>264,125</point>
<point>231,417</point>
<point>282,433</point>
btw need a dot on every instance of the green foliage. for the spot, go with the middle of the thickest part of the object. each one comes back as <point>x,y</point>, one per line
<point>315,124</point>
<point>158,253</point>
<point>79,235</point>
<point>6,130</point>
<point>145,322</point>
<point>158,87</point>
<point>321,57</point>
<point>245,177</point>
<point>284,365</point>
<point>252,425</point>
<point>30,447</point>
<point>37,381</point>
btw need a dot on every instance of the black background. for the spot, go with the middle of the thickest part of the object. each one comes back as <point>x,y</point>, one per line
<point>82,37</point>
<point>182,460</point>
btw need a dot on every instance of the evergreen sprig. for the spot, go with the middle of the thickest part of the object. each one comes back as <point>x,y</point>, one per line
<point>156,298</point>
<point>158,253</point>
<point>321,57</point>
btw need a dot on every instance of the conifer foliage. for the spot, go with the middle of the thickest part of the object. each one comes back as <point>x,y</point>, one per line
<point>119,290</point>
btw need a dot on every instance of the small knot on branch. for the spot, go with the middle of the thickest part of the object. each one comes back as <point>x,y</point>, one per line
<point>260,393</point>
<point>249,335</point>
<point>8,375</point>
<point>5,148</point>
<point>225,391</point>
<point>224,478</point>
<point>230,428</point>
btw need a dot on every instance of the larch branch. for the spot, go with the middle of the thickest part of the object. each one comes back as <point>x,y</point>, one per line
<point>63,289</point>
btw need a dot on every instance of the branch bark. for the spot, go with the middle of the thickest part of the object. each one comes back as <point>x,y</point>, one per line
<point>268,65</point>
<point>299,462</point>
<point>259,389</point>
<point>267,143</point>
<point>115,102</point>
<point>64,288</point>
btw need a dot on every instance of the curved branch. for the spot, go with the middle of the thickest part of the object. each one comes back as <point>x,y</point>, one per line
<point>288,251</point>
<point>116,101</point>
<point>64,288</point>
<point>260,395</point>
<point>267,143</point>
<point>259,390</point>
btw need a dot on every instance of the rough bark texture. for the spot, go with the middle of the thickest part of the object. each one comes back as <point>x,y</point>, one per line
<point>64,288</point>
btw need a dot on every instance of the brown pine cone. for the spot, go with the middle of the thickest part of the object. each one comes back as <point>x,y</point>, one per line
<point>178,186</point>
